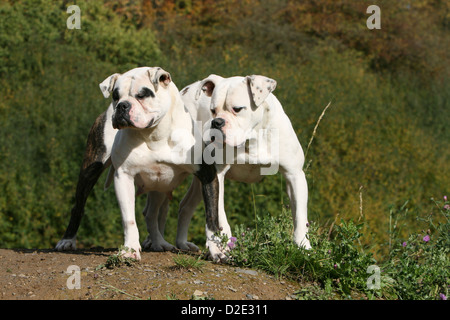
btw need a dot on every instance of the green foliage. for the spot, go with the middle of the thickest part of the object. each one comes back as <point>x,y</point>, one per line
<point>339,263</point>
<point>186,262</point>
<point>415,269</point>
<point>118,259</point>
<point>420,263</point>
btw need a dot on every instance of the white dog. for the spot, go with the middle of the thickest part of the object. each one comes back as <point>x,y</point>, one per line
<point>252,125</point>
<point>154,150</point>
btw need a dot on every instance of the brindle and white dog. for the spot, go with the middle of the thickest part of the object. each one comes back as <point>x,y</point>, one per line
<point>153,149</point>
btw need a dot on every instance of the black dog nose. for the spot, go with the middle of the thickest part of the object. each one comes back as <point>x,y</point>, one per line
<point>217,123</point>
<point>124,106</point>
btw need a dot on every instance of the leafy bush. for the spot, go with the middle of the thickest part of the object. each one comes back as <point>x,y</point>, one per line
<point>420,263</point>
<point>415,269</point>
<point>338,264</point>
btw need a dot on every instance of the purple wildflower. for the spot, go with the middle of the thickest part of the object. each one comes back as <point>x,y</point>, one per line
<point>447,207</point>
<point>445,198</point>
<point>443,296</point>
<point>232,243</point>
<point>404,244</point>
<point>426,238</point>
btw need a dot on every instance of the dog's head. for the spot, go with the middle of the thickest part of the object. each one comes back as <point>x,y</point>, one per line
<point>236,105</point>
<point>140,97</point>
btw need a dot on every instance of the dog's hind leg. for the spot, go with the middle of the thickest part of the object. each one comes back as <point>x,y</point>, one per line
<point>96,160</point>
<point>155,218</point>
<point>162,217</point>
<point>187,208</point>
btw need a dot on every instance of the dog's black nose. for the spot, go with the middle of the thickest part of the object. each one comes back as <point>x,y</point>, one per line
<point>123,106</point>
<point>217,123</point>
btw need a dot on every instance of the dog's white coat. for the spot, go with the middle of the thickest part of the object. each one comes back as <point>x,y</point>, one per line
<point>142,153</point>
<point>215,97</point>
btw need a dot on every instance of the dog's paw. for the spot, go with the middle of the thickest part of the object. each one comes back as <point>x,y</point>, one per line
<point>187,246</point>
<point>147,243</point>
<point>162,246</point>
<point>136,255</point>
<point>304,243</point>
<point>157,246</point>
<point>215,253</point>
<point>66,244</point>
<point>133,252</point>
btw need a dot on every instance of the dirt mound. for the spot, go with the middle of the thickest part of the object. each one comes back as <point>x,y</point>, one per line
<point>82,274</point>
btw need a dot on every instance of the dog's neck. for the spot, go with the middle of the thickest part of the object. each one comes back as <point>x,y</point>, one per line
<point>176,117</point>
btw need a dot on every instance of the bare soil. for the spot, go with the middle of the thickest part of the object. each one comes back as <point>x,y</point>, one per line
<point>27,274</point>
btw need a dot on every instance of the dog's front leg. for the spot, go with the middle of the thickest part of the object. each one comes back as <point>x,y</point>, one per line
<point>213,231</point>
<point>297,189</point>
<point>224,226</point>
<point>210,191</point>
<point>125,193</point>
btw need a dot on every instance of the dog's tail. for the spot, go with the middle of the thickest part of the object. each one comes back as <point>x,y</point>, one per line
<point>109,178</point>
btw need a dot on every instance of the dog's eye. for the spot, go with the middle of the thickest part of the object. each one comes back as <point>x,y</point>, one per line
<point>115,94</point>
<point>238,109</point>
<point>144,93</point>
<point>213,111</point>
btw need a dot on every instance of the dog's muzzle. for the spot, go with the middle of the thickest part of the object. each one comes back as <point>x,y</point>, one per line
<point>121,116</point>
<point>218,124</point>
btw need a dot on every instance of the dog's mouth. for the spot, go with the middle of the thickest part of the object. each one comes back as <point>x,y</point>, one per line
<point>221,139</point>
<point>152,123</point>
<point>124,121</point>
<point>121,122</point>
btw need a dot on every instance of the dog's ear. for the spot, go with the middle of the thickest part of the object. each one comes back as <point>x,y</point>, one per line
<point>207,85</point>
<point>108,84</point>
<point>159,76</point>
<point>260,88</point>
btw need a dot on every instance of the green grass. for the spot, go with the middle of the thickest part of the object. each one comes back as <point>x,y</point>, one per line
<point>118,259</point>
<point>416,268</point>
<point>183,261</point>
